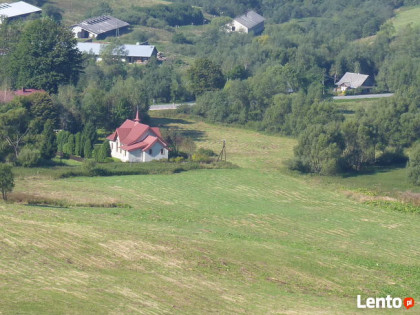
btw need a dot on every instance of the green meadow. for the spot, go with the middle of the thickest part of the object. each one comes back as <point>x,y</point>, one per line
<point>405,16</point>
<point>253,240</point>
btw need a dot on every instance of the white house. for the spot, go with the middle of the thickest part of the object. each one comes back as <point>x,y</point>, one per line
<point>100,26</point>
<point>15,10</point>
<point>352,80</point>
<point>137,142</point>
<point>247,23</point>
<point>131,53</point>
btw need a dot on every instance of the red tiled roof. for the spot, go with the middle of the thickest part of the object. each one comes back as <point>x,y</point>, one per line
<point>156,131</point>
<point>145,145</point>
<point>112,136</point>
<point>130,133</point>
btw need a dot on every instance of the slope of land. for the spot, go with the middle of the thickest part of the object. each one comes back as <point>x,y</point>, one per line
<point>405,16</point>
<point>253,240</point>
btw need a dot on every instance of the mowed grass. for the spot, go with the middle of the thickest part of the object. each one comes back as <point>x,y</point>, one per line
<point>405,16</point>
<point>253,240</point>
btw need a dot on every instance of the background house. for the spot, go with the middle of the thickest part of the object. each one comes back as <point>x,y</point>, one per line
<point>99,27</point>
<point>137,142</point>
<point>16,10</point>
<point>247,23</point>
<point>352,80</point>
<point>132,53</point>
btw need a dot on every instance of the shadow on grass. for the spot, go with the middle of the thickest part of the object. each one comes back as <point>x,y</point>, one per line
<point>196,135</point>
<point>373,170</point>
<point>164,122</point>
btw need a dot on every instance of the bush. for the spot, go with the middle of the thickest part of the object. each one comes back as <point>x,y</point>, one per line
<point>413,166</point>
<point>6,180</point>
<point>29,157</point>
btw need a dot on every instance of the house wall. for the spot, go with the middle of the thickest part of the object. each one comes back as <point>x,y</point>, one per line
<point>235,26</point>
<point>79,32</point>
<point>257,29</point>
<point>137,155</point>
<point>117,152</point>
<point>156,153</point>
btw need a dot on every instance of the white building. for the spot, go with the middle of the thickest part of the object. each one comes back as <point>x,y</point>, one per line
<point>137,142</point>
<point>18,9</point>
<point>247,23</point>
<point>131,53</point>
<point>352,80</point>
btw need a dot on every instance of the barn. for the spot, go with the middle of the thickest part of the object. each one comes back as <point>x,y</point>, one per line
<point>17,10</point>
<point>99,27</point>
<point>131,53</point>
<point>250,22</point>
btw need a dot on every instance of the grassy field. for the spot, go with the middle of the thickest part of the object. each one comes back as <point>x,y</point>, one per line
<point>405,16</point>
<point>254,240</point>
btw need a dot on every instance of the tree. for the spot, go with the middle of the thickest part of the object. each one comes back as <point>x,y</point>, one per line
<point>48,146</point>
<point>87,149</point>
<point>413,166</point>
<point>102,152</point>
<point>14,128</point>
<point>53,12</point>
<point>45,56</point>
<point>204,76</point>
<point>6,180</point>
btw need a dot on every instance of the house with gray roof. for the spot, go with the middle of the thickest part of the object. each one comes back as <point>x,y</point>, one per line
<point>129,53</point>
<point>99,27</point>
<point>250,22</point>
<point>352,80</point>
<point>16,10</point>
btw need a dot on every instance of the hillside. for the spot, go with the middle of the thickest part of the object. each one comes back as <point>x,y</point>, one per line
<point>250,240</point>
<point>405,16</point>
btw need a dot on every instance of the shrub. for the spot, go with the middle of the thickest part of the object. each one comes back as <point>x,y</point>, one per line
<point>29,157</point>
<point>413,166</point>
<point>6,180</point>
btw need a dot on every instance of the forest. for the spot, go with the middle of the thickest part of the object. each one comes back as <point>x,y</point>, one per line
<point>278,82</point>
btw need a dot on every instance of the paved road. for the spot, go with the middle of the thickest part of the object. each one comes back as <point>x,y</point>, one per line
<point>355,97</point>
<point>169,106</point>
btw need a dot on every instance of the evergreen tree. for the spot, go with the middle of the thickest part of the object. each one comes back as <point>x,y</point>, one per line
<point>413,166</point>
<point>6,180</point>
<point>89,133</point>
<point>102,152</point>
<point>78,146</point>
<point>48,141</point>
<point>69,147</point>
<point>87,149</point>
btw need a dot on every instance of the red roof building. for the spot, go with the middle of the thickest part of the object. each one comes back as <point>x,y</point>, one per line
<point>137,142</point>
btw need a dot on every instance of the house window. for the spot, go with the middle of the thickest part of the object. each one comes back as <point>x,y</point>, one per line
<point>161,151</point>
<point>233,28</point>
<point>150,151</point>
